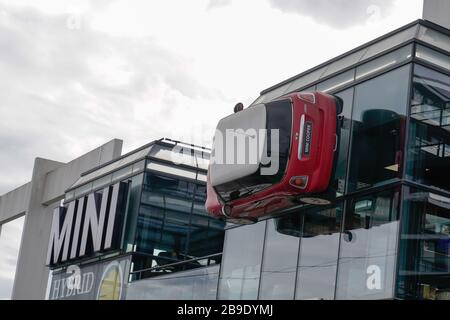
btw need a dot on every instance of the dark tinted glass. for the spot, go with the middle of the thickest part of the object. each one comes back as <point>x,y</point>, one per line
<point>344,140</point>
<point>424,263</point>
<point>428,160</point>
<point>172,226</point>
<point>378,129</point>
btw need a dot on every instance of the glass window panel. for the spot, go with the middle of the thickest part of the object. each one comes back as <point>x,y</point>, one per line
<point>384,62</point>
<point>337,81</point>
<point>202,160</point>
<point>378,129</point>
<point>83,189</point>
<point>114,165</point>
<point>424,263</point>
<point>69,196</point>
<point>122,173</point>
<point>241,265</point>
<point>368,248</point>
<point>96,184</point>
<point>433,56</point>
<point>185,156</point>
<point>139,166</point>
<point>305,80</point>
<point>198,284</point>
<point>202,177</point>
<point>390,42</point>
<point>319,247</point>
<point>173,226</point>
<point>132,213</point>
<point>344,141</point>
<point>434,37</point>
<point>429,131</point>
<point>344,62</point>
<point>280,258</point>
<point>170,169</point>
<point>10,237</point>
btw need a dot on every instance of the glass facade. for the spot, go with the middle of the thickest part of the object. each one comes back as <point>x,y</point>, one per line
<point>424,262</point>
<point>378,129</point>
<point>368,247</point>
<point>318,257</point>
<point>167,232</point>
<point>280,257</point>
<point>241,265</point>
<point>386,235</point>
<point>173,226</point>
<point>429,130</point>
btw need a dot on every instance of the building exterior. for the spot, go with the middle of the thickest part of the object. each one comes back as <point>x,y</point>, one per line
<point>102,220</point>
<point>387,234</point>
<point>106,226</point>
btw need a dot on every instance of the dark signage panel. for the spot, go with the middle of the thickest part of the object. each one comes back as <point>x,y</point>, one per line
<point>88,225</point>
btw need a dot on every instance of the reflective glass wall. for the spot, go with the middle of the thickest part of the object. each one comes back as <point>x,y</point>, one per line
<point>424,248</point>
<point>173,228</point>
<point>428,156</point>
<point>424,260</point>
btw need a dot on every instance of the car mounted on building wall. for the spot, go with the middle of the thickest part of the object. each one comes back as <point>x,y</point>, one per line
<point>289,147</point>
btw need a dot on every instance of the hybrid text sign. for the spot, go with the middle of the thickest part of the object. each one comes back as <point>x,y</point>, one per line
<point>87,225</point>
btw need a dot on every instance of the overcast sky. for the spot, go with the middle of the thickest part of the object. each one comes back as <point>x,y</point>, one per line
<point>75,74</point>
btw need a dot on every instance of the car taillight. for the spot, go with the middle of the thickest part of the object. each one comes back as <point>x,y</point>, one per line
<point>299,182</point>
<point>307,96</point>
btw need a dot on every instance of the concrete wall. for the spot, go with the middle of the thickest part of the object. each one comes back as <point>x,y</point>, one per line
<point>437,11</point>
<point>37,199</point>
<point>15,203</point>
<point>62,178</point>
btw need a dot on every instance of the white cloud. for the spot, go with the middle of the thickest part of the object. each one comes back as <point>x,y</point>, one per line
<point>337,13</point>
<point>139,70</point>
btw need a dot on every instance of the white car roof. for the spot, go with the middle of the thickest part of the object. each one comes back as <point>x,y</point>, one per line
<point>243,126</point>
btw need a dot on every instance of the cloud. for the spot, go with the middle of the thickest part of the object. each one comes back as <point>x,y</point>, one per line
<point>337,13</point>
<point>67,90</point>
<point>10,236</point>
<point>218,3</point>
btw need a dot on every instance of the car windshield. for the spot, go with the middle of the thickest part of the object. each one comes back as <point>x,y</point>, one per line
<point>279,118</point>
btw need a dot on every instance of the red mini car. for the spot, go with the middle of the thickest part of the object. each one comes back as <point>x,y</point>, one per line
<point>274,175</point>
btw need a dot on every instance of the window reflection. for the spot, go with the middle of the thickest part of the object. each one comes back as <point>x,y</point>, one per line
<point>344,140</point>
<point>368,247</point>
<point>424,271</point>
<point>319,247</point>
<point>378,129</point>
<point>280,258</point>
<point>429,133</point>
<point>172,227</point>
<point>241,265</point>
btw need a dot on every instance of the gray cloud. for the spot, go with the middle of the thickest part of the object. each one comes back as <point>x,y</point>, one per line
<point>58,101</point>
<point>218,3</point>
<point>9,248</point>
<point>336,13</point>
